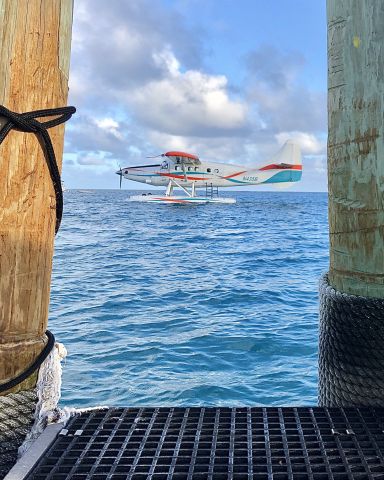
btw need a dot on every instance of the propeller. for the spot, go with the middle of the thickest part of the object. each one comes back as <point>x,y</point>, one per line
<point>155,156</point>
<point>121,176</point>
<point>119,172</point>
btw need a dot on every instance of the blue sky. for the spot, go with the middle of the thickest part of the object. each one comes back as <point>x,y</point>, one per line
<point>227,80</point>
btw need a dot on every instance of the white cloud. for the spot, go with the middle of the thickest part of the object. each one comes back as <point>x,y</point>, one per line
<point>148,68</point>
<point>164,142</point>
<point>308,142</point>
<point>190,103</point>
<point>166,59</point>
<point>107,124</point>
<point>110,126</point>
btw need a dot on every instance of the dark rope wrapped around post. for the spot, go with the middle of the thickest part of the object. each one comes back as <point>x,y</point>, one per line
<point>351,359</point>
<point>17,411</point>
<point>4,387</point>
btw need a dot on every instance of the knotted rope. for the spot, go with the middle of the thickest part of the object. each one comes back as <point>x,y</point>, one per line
<point>27,122</point>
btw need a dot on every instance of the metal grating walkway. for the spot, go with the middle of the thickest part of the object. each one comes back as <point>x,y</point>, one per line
<point>219,444</point>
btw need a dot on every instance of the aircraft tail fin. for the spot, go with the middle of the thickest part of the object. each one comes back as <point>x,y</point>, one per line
<point>285,166</point>
<point>289,154</point>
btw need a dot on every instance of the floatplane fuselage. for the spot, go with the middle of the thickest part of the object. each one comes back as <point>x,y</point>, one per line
<point>187,172</point>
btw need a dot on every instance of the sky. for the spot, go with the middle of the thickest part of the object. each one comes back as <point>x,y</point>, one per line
<point>227,80</point>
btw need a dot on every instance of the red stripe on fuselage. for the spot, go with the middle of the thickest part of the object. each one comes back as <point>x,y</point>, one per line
<point>234,174</point>
<point>276,166</point>
<point>181,177</point>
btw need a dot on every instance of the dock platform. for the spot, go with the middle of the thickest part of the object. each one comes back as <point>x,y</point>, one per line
<point>218,443</point>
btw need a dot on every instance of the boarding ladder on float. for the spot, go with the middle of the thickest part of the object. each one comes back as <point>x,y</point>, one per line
<point>211,191</point>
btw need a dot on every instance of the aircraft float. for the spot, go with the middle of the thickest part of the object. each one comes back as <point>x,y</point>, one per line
<point>189,173</point>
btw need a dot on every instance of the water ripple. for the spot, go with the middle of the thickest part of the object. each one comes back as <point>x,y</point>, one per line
<point>197,305</point>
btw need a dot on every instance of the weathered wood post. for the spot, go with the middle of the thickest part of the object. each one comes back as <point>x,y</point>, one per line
<point>35,39</point>
<point>352,305</point>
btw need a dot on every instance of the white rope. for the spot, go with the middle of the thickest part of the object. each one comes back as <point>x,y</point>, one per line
<point>48,390</point>
<point>48,394</point>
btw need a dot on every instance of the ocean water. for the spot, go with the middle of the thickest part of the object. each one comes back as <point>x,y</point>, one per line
<point>189,305</point>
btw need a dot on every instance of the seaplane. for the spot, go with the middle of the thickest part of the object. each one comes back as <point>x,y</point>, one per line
<point>188,173</point>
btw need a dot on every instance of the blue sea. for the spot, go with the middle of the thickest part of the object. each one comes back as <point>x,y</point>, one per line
<point>189,305</point>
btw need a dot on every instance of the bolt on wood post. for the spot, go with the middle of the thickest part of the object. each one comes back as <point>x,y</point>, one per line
<point>355,146</point>
<point>35,39</point>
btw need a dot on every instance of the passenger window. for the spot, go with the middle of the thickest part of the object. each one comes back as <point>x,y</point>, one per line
<point>196,169</point>
<point>189,169</point>
<point>216,170</point>
<point>208,170</point>
<point>176,167</point>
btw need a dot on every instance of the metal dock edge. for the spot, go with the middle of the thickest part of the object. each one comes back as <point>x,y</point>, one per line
<point>35,453</point>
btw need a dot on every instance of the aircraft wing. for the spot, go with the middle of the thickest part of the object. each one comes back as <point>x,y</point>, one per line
<point>183,158</point>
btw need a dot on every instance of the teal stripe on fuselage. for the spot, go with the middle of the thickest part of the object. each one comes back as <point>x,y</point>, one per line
<point>142,174</point>
<point>286,176</point>
<point>235,181</point>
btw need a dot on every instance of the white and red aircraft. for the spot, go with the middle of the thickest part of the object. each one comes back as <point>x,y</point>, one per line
<point>188,172</point>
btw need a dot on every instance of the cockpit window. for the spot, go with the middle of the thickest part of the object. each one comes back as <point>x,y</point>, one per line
<point>208,170</point>
<point>164,165</point>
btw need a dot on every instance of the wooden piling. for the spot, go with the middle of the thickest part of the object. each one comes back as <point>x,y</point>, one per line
<point>355,145</point>
<point>35,38</point>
